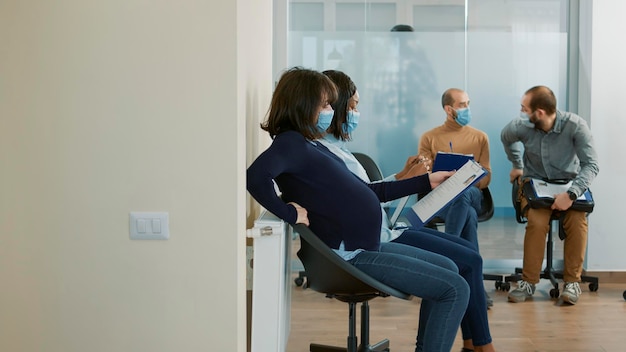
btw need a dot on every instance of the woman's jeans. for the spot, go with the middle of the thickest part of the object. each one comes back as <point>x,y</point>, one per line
<point>424,274</point>
<point>475,324</point>
<point>461,216</point>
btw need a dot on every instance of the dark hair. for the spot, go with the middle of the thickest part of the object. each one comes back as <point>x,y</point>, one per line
<point>296,101</point>
<point>345,90</point>
<point>542,97</point>
<point>447,99</point>
<point>402,28</point>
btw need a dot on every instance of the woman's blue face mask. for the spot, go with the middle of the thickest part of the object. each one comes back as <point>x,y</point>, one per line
<point>324,120</point>
<point>353,121</point>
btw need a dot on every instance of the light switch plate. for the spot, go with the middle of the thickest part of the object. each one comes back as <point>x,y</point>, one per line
<point>149,226</point>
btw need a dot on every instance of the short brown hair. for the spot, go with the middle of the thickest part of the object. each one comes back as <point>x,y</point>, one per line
<point>296,101</point>
<point>447,99</point>
<point>542,97</point>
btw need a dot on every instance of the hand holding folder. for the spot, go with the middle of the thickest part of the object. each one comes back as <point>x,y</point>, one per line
<point>540,194</point>
<point>429,205</point>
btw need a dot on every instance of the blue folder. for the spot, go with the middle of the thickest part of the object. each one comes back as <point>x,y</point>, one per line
<point>450,161</point>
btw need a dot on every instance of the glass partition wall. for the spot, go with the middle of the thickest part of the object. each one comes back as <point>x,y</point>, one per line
<point>493,49</point>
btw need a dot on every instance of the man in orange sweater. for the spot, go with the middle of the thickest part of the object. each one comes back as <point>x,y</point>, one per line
<point>455,135</point>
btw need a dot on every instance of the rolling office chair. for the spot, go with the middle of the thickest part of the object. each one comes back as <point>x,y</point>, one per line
<point>374,174</point>
<point>330,274</point>
<point>370,166</point>
<point>548,272</point>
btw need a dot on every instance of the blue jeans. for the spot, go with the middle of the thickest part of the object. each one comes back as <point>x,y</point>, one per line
<point>461,216</point>
<point>475,324</point>
<point>424,274</point>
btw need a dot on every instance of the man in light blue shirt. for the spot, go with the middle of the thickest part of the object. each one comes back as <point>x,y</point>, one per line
<point>557,146</point>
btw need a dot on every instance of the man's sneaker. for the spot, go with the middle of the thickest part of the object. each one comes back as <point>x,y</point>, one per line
<point>570,294</point>
<point>524,290</point>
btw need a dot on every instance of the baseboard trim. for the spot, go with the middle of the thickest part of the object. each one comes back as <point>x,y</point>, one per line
<point>609,277</point>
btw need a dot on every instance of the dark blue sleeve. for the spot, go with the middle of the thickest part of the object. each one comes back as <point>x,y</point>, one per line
<point>387,191</point>
<point>277,159</point>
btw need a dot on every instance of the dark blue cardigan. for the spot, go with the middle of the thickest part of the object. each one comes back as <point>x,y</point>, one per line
<point>340,206</point>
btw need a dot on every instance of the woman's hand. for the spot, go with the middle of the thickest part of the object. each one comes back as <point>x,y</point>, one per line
<point>303,218</point>
<point>436,178</point>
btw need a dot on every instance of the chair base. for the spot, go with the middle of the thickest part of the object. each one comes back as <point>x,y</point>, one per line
<point>301,279</point>
<point>382,346</point>
<point>549,272</point>
<point>499,279</point>
<point>351,346</point>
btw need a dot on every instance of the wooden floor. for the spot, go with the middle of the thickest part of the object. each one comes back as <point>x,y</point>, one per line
<point>597,323</point>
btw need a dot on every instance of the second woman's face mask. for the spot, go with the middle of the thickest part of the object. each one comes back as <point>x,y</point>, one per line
<point>353,121</point>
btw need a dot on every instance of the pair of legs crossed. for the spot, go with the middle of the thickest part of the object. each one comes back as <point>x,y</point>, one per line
<point>424,274</point>
<point>475,324</point>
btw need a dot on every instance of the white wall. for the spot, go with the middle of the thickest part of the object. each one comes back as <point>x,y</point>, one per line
<point>606,71</point>
<point>108,107</point>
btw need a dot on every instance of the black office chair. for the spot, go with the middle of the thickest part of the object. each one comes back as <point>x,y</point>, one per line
<point>330,274</point>
<point>548,272</point>
<point>370,166</point>
<point>374,174</point>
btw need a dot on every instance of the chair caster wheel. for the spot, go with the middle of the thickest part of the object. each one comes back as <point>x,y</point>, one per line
<point>593,287</point>
<point>299,281</point>
<point>624,295</point>
<point>506,287</point>
<point>503,286</point>
<point>554,293</point>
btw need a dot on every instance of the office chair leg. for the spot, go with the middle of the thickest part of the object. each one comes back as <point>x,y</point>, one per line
<point>365,325</point>
<point>365,333</point>
<point>549,272</point>
<point>352,340</point>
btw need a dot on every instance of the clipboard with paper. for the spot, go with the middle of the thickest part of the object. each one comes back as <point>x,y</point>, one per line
<point>430,204</point>
<point>540,194</point>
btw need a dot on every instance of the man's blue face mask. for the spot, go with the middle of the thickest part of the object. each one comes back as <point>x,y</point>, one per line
<point>463,116</point>
<point>526,120</point>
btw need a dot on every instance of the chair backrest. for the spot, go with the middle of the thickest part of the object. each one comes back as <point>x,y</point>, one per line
<point>486,207</point>
<point>328,273</point>
<point>517,204</point>
<point>370,166</point>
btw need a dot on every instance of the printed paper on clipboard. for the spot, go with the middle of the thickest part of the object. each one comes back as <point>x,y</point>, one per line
<point>540,194</point>
<point>465,177</point>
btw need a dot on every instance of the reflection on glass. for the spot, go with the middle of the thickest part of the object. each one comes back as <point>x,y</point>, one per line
<point>508,48</point>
